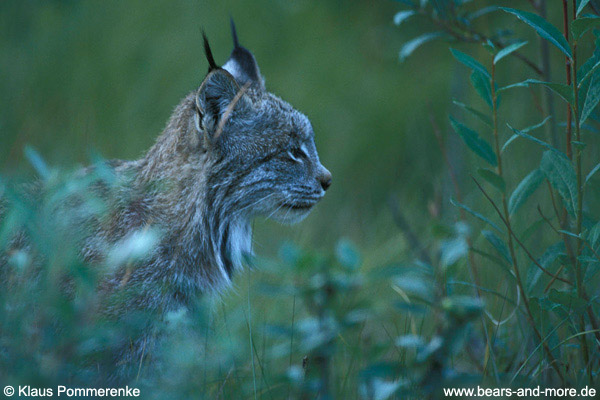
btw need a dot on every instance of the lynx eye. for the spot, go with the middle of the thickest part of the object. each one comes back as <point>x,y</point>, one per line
<point>297,154</point>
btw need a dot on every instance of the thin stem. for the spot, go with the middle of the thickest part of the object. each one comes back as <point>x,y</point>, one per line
<point>412,239</point>
<point>547,96</point>
<point>472,265</point>
<point>469,35</point>
<point>549,285</point>
<point>516,239</point>
<point>568,71</point>
<point>458,193</point>
<point>579,211</point>
<point>438,135</point>
<point>528,314</point>
<point>578,170</point>
<point>506,218</point>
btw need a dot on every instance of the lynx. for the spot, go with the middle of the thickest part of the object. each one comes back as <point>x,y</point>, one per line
<point>231,152</point>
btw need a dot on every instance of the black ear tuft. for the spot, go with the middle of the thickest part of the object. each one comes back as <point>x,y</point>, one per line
<point>242,64</point>
<point>236,43</point>
<point>212,65</point>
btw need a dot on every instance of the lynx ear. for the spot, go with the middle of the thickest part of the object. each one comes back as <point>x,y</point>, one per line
<point>242,64</point>
<point>218,99</point>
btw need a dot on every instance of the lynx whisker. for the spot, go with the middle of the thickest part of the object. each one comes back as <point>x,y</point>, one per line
<point>262,199</point>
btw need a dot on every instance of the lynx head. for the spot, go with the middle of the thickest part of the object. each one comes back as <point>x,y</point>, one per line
<point>265,162</point>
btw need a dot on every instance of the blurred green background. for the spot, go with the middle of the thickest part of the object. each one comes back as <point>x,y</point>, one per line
<point>104,76</point>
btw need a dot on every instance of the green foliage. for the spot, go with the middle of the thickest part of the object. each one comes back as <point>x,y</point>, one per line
<point>543,28</point>
<point>475,143</point>
<point>581,25</point>
<point>581,5</point>
<point>508,50</point>
<point>493,178</point>
<point>563,91</point>
<point>547,244</point>
<point>482,86</point>
<point>483,117</point>
<point>525,189</point>
<point>409,47</point>
<point>591,99</point>
<point>320,344</point>
<point>470,62</point>
<point>560,173</point>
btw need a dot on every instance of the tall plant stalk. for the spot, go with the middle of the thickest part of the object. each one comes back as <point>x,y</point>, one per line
<point>569,128</point>
<point>547,98</point>
<point>506,216</point>
<point>579,211</point>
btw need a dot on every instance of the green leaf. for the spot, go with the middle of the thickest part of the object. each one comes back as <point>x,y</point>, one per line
<point>567,299</point>
<point>524,130</point>
<point>574,235</point>
<point>498,244</point>
<point>534,139</point>
<point>592,172</point>
<point>552,253</point>
<point>462,307</point>
<point>493,178</point>
<point>414,286</point>
<point>37,162</point>
<point>410,46</point>
<point>135,246</point>
<point>483,87</point>
<point>496,260</point>
<point>591,100</point>
<point>559,171</point>
<point>580,6</point>
<point>470,62</point>
<point>489,46</point>
<point>452,250</point>
<point>543,28</point>
<point>410,340</point>
<point>524,190</point>
<point>475,214</point>
<point>533,228</point>
<point>478,145</point>
<point>582,25</point>
<point>592,269</point>
<point>508,50</point>
<point>402,16</point>
<point>536,126</point>
<point>587,71</point>
<point>347,254</point>
<point>484,118</point>
<point>564,91</point>
<point>481,12</point>
<point>588,74</point>
<point>593,236</point>
<point>514,85</point>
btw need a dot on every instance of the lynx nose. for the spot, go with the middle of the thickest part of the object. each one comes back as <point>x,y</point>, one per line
<point>325,179</point>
